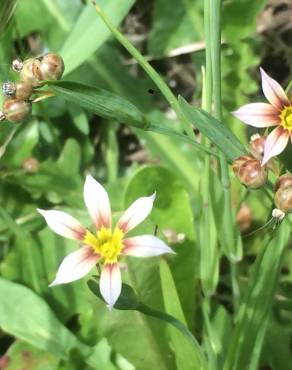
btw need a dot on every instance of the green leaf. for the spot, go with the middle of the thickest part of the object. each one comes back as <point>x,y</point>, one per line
<point>100,102</point>
<point>188,356</point>
<point>172,24</point>
<point>89,32</point>
<point>129,301</point>
<point>257,302</point>
<point>22,355</point>
<point>214,130</point>
<point>115,108</point>
<point>27,316</point>
<point>7,8</point>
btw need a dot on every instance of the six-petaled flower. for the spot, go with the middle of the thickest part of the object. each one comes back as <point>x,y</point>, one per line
<point>105,245</point>
<point>277,113</point>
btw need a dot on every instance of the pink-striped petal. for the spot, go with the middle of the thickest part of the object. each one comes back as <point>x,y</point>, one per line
<point>136,213</point>
<point>273,91</point>
<point>110,283</point>
<point>97,202</point>
<point>276,142</point>
<point>258,114</point>
<point>76,265</point>
<point>64,224</point>
<point>145,246</point>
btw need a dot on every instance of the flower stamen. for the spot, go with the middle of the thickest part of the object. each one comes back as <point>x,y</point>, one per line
<point>286,118</point>
<point>106,243</point>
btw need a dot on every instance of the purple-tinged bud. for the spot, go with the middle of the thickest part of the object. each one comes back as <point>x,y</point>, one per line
<point>250,172</point>
<point>9,89</point>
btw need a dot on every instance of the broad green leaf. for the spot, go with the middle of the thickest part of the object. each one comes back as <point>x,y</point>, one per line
<point>27,316</point>
<point>89,32</point>
<point>214,130</point>
<point>188,355</point>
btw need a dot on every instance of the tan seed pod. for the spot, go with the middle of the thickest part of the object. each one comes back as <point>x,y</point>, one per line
<point>21,90</point>
<point>283,181</point>
<point>16,111</point>
<point>250,172</point>
<point>283,199</point>
<point>244,217</point>
<point>31,165</point>
<point>31,72</point>
<point>51,67</point>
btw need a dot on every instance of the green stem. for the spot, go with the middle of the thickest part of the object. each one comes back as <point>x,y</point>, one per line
<point>170,320</point>
<point>227,229</point>
<point>165,90</point>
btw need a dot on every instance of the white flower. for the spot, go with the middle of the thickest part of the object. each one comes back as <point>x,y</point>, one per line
<point>106,245</point>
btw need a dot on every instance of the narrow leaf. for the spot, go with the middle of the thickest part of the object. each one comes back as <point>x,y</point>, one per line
<point>214,130</point>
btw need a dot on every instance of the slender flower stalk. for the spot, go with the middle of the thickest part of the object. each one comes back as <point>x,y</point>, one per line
<point>277,113</point>
<point>106,245</point>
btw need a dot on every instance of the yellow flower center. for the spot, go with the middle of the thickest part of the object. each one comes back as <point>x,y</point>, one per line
<point>106,243</point>
<point>286,118</point>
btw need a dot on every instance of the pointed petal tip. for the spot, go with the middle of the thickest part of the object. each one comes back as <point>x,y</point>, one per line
<point>54,283</point>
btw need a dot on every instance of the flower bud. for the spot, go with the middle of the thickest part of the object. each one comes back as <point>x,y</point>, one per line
<point>257,146</point>
<point>16,110</point>
<point>283,199</point>
<point>17,65</point>
<point>31,72</point>
<point>250,172</point>
<point>51,67</point>
<point>2,116</point>
<point>283,181</point>
<point>20,90</point>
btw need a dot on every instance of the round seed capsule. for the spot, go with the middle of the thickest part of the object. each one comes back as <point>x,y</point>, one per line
<point>31,72</point>
<point>20,90</point>
<point>51,67</point>
<point>257,146</point>
<point>283,181</point>
<point>16,110</point>
<point>283,199</point>
<point>250,172</point>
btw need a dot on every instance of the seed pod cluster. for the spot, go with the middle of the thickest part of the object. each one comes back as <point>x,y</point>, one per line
<point>283,193</point>
<point>33,71</point>
<point>250,172</point>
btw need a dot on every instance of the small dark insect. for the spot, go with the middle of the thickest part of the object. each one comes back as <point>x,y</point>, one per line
<point>151,91</point>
